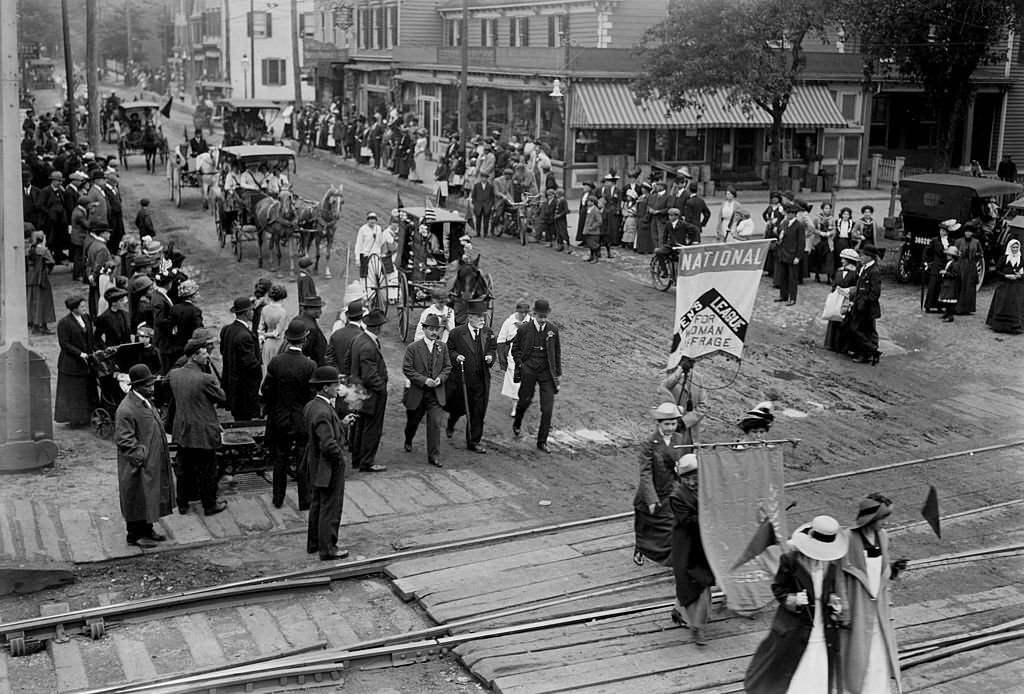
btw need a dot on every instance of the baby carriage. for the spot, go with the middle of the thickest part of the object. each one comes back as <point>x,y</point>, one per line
<point>112,366</point>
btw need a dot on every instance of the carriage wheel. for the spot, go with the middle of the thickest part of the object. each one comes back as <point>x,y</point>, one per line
<point>376,289</point>
<point>170,180</point>
<point>102,423</point>
<point>489,314</point>
<point>122,154</point>
<point>176,186</point>
<point>404,307</point>
<point>218,225</point>
<point>237,238</point>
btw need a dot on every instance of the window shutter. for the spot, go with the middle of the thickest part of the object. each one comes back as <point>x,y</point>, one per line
<point>524,31</point>
<point>263,65</point>
<point>551,31</point>
<point>267,32</point>
<point>282,72</point>
<point>248,25</point>
<point>513,40</point>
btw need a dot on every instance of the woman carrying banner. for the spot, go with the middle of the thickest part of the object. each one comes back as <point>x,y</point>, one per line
<point>800,653</point>
<point>683,387</point>
<point>652,516</point>
<point>690,566</point>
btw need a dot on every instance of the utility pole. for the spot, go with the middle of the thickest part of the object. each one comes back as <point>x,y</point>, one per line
<point>91,79</point>
<point>296,68</point>
<point>252,49</point>
<point>69,72</point>
<point>464,74</point>
<point>567,140</point>
<point>127,38</point>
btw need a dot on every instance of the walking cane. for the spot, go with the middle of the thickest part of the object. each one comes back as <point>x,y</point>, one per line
<point>465,394</point>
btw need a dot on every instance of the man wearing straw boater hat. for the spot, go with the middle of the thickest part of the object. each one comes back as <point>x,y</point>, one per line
<point>144,479</point>
<point>323,462</point>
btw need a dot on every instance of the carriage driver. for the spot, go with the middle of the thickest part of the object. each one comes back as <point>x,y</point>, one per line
<point>197,144</point>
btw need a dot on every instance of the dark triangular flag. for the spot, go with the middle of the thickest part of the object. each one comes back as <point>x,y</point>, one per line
<point>930,510</point>
<point>762,540</point>
<point>166,110</point>
<point>401,205</point>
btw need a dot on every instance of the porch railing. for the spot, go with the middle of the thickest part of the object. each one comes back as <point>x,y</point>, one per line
<point>885,171</point>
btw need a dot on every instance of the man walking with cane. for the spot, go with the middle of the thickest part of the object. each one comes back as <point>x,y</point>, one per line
<point>472,347</point>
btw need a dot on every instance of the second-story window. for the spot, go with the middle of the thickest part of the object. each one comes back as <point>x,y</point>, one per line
<point>259,25</point>
<point>453,32</point>
<point>519,32</point>
<point>556,27</point>
<point>488,32</point>
<point>211,23</point>
<point>392,11</point>
<point>378,27</point>
<point>365,30</point>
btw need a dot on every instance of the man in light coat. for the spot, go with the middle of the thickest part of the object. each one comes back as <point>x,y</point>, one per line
<point>427,367</point>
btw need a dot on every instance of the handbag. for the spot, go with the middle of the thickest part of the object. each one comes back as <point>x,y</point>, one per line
<point>833,310</point>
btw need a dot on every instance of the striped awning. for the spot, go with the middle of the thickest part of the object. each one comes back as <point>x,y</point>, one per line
<point>613,105</point>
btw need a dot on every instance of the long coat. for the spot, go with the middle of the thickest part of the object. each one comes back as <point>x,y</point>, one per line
<point>195,424</point>
<point>368,369</point>
<point>478,371</point>
<point>144,479</point>
<point>776,659</point>
<point>865,613</point>
<point>184,319</point>
<point>339,346</point>
<point>315,346</point>
<point>689,563</point>
<point>286,391</point>
<point>242,370</point>
<point>657,476</point>
<point>323,455</point>
<point>417,367</point>
<point>791,245</point>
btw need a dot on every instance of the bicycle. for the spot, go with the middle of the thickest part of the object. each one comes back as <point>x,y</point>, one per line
<point>525,211</point>
<point>664,267</point>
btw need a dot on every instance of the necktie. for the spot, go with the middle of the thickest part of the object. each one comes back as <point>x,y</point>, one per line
<point>433,360</point>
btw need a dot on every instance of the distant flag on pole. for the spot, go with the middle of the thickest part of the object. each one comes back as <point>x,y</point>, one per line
<point>930,510</point>
<point>401,205</point>
<point>166,110</point>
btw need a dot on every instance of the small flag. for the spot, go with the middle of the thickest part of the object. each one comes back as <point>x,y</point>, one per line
<point>401,205</point>
<point>166,110</point>
<point>930,510</point>
<point>762,540</point>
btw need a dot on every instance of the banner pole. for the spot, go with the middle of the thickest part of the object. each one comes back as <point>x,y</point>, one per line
<point>759,442</point>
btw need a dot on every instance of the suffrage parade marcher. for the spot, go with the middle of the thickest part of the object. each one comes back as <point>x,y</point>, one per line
<point>272,323</point>
<point>693,575</point>
<point>368,369</point>
<point>789,249</point>
<point>472,349</point>
<point>865,309</point>
<point>537,352</point>
<point>324,465</point>
<point>935,260</point>
<point>341,339</point>
<point>305,285</point>
<point>112,328</point>
<point>843,286</point>
<point>145,482</point>
<point>285,392</point>
<point>242,369</point>
<point>868,656</point>
<point>949,292</point>
<point>971,254</point>
<point>799,654</point>
<point>757,421</point>
<point>185,318</point>
<point>38,263</point>
<point>438,307</point>
<point>683,387</point>
<point>652,514</point>
<point>315,346</point>
<point>76,396</point>
<point>427,366</point>
<point>1006,313</point>
<point>509,388</point>
<point>194,425</point>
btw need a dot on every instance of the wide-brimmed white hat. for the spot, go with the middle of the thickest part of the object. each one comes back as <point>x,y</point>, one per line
<point>665,410</point>
<point>849,254</point>
<point>950,225</point>
<point>821,539</point>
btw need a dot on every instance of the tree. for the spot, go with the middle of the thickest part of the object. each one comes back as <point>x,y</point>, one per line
<point>114,36</point>
<point>938,44</point>
<point>749,51</point>
<point>39,22</point>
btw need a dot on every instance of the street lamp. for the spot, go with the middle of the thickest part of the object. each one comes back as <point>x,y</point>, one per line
<point>245,76</point>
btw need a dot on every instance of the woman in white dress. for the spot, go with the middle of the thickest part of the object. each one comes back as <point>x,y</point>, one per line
<point>272,323</point>
<point>867,648</point>
<point>509,388</point>
<point>419,157</point>
<point>725,221</point>
<point>799,654</point>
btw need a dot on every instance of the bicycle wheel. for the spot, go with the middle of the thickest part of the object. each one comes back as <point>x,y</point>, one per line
<point>661,272</point>
<point>524,231</point>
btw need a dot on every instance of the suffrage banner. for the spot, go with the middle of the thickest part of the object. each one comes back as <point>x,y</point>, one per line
<point>741,488</point>
<point>715,295</point>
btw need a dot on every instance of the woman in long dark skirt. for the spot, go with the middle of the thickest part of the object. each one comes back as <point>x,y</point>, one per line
<point>76,382</point>
<point>866,308</point>
<point>644,235</point>
<point>845,280</point>
<point>652,515</point>
<point>690,566</point>
<point>38,263</point>
<point>970,255</point>
<point>1006,313</point>
<point>949,292</point>
<point>821,260</point>
<point>934,261</point>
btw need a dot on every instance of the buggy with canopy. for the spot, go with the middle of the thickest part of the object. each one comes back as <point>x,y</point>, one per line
<point>253,121</point>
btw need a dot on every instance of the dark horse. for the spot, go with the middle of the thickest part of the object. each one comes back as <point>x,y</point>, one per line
<point>150,144</point>
<point>470,284</point>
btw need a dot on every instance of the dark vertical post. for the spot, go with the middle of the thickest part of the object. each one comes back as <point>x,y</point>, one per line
<point>464,75</point>
<point>91,79</point>
<point>69,72</point>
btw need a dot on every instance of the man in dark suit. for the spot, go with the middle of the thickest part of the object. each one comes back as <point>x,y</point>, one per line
<point>323,463</point>
<point>676,230</point>
<point>30,201</point>
<point>185,318</point>
<point>341,340</point>
<point>695,212</point>
<point>115,216</point>
<point>472,347</point>
<point>240,357</point>
<point>482,199</point>
<point>790,246</point>
<point>610,235</point>
<point>285,392</point>
<point>588,192</point>
<point>161,305</point>
<point>53,213</point>
<point>427,366</point>
<point>368,369</point>
<point>537,353</point>
<point>315,346</point>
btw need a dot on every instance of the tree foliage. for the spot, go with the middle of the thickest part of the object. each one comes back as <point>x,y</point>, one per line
<point>938,44</point>
<point>114,36</point>
<point>749,51</point>
<point>39,22</point>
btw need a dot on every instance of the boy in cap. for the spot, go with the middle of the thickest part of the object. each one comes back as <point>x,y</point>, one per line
<point>144,219</point>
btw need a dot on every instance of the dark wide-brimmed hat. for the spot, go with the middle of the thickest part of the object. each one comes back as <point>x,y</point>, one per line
<point>297,331</point>
<point>114,294</point>
<point>324,375</point>
<point>241,304</point>
<point>140,375</point>
<point>431,320</point>
<point>872,508</point>
<point>374,318</point>
<point>821,539</point>
<point>872,251</point>
<point>312,302</point>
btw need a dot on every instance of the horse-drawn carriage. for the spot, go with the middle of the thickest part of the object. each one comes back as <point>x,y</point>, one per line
<point>253,121</point>
<point>430,255</point>
<point>187,171</point>
<point>139,132</point>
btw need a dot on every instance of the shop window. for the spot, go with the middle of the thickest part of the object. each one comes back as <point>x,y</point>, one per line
<point>519,32</point>
<point>497,111</point>
<point>475,111</point>
<point>274,72</point>
<point>592,143</point>
<point>524,115</point>
<point>552,126</point>
<point>788,152</point>
<point>449,109</point>
<point>678,145</point>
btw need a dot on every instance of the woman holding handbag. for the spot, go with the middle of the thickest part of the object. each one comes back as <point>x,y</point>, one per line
<point>837,303</point>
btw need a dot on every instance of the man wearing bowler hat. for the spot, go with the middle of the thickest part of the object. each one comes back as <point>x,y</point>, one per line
<point>472,347</point>
<point>426,366</point>
<point>789,248</point>
<point>315,346</point>
<point>144,479</point>
<point>323,463</point>
<point>368,369</point>
<point>285,392</point>
<point>341,339</point>
<point>241,363</point>
<point>538,357</point>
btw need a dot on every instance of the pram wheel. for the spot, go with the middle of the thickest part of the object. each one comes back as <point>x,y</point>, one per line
<point>102,423</point>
